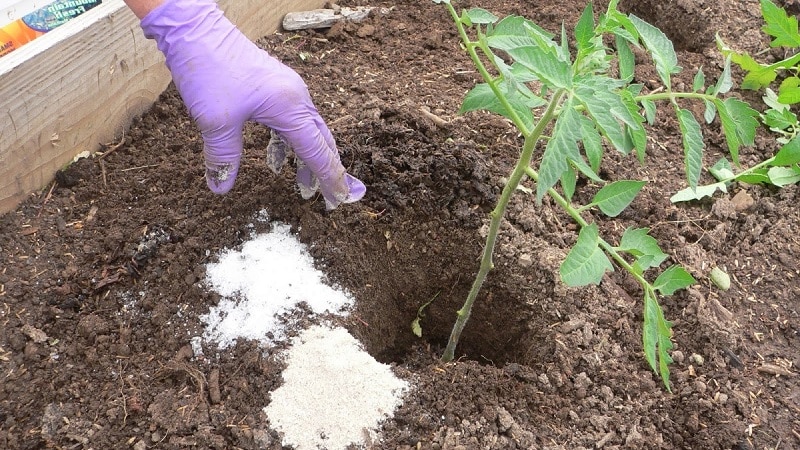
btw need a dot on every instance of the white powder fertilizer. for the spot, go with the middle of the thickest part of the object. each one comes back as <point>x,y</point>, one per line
<point>270,275</point>
<point>334,393</point>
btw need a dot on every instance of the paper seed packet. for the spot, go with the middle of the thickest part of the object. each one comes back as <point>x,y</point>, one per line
<point>38,22</point>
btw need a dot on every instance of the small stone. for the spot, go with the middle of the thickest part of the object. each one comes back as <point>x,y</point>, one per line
<point>262,438</point>
<point>504,420</point>
<point>36,335</point>
<point>697,359</point>
<point>366,30</point>
<point>52,420</point>
<point>582,381</point>
<point>634,439</point>
<point>742,201</point>
<point>678,356</point>
<point>693,422</point>
<point>723,208</point>
<point>525,260</point>
<point>543,379</point>
<point>700,387</point>
<point>607,393</point>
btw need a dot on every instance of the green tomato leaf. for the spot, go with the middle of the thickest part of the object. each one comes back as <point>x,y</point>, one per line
<point>605,104</point>
<point>783,176</point>
<point>511,84</point>
<point>771,99</point>
<point>788,154</point>
<point>643,247</point>
<point>592,143</point>
<point>649,111</point>
<point>692,145</point>
<point>626,59</point>
<point>562,146</point>
<point>519,26</point>
<point>591,52</point>
<point>584,30</point>
<point>520,73</point>
<point>480,16</point>
<point>738,123</point>
<point>724,83</point>
<point>789,91</point>
<point>576,159</point>
<point>660,48</point>
<point>673,279</point>
<point>548,67</point>
<point>779,120</point>
<point>481,97</point>
<point>759,77</point>
<point>586,263</point>
<point>756,177</point>
<point>516,32</point>
<point>613,198</point>
<point>569,179</point>
<point>711,111</point>
<point>635,134</point>
<point>656,337</point>
<point>722,170</point>
<point>699,81</point>
<point>779,25</point>
<point>619,24</point>
<point>698,193</point>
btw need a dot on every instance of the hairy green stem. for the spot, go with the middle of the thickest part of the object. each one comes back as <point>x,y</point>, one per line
<point>758,166</point>
<point>670,95</point>
<point>523,163</point>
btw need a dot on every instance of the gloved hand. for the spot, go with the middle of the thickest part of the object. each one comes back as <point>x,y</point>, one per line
<point>226,80</point>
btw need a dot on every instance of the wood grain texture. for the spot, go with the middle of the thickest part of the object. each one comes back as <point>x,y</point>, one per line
<point>81,84</point>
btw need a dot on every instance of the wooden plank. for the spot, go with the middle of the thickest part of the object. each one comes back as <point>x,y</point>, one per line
<point>81,84</point>
<point>325,18</point>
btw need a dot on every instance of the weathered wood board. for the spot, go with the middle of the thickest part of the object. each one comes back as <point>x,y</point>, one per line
<point>81,84</point>
<point>323,18</point>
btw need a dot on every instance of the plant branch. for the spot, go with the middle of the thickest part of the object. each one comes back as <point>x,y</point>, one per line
<point>575,213</point>
<point>469,47</point>
<point>670,95</point>
<point>523,164</point>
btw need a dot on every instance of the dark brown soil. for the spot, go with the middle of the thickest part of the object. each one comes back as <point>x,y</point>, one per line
<point>101,274</point>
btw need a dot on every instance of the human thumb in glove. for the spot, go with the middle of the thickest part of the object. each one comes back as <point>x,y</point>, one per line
<point>226,80</point>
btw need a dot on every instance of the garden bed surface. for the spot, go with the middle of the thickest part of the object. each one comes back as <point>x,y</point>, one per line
<point>102,275</point>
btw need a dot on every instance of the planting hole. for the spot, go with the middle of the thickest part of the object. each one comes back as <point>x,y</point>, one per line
<point>689,25</point>
<point>433,263</point>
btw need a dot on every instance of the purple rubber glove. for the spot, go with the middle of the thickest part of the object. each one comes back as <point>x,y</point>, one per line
<point>225,80</point>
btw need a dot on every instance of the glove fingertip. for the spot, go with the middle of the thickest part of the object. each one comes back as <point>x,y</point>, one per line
<point>355,187</point>
<point>277,152</point>
<point>220,179</point>
<point>355,192</point>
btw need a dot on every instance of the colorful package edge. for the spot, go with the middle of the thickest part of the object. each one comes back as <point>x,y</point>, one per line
<point>37,23</point>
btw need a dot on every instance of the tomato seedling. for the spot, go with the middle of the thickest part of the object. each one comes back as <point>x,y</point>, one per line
<point>586,99</point>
